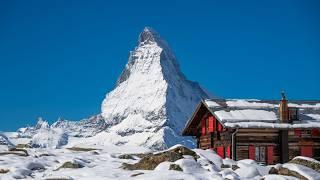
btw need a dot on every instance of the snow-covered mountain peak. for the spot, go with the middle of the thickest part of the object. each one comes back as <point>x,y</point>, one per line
<point>148,35</point>
<point>42,124</point>
<point>152,97</point>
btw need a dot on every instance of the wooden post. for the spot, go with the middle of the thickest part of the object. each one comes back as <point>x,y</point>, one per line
<point>284,146</point>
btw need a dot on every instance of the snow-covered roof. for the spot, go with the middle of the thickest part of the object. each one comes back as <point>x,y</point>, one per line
<point>253,113</point>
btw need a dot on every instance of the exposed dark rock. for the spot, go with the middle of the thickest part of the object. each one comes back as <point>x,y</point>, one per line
<point>138,174</point>
<point>4,171</point>
<point>234,167</point>
<point>14,153</point>
<point>22,146</point>
<point>287,172</point>
<point>19,150</point>
<point>94,153</point>
<point>273,170</point>
<point>132,156</point>
<point>81,149</point>
<point>175,167</point>
<point>126,156</point>
<point>223,166</point>
<point>44,155</point>
<point>71,165</point>
<point>151,161</point>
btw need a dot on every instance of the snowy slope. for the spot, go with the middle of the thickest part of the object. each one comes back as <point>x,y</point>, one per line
<point>152,99</point>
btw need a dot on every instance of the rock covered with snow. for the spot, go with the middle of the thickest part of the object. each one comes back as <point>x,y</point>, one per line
<point>4,140</point>
<point>152,99</point>
<point>49,138</point>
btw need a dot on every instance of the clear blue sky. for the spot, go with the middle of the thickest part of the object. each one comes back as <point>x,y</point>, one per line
<point>60,58</point>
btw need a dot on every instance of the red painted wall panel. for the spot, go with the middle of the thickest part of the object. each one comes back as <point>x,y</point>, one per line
<point>219,127</point>
<point>252,152</point>
<point>211,124</point>
<point>270,154</point>
<point>297,132</point>
<point>220,151</point>
<point>315,132</point>
<point>306,151</point>
<point>228,153</point>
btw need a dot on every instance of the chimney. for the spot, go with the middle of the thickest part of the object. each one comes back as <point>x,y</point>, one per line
<point>283,134</point>
<point>284,109</point>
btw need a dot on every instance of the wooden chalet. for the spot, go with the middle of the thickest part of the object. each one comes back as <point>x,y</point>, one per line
<point>269,131</point>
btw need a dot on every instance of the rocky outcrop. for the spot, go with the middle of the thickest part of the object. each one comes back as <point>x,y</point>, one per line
<point>299,167</point>
<point>288,172</point>
<point>71,165</point>
<point>308,163</point>
<point>175,167</point>
<point>151,161</point>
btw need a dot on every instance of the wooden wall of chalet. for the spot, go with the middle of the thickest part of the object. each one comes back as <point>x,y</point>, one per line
<point>304,142</point>
<point>301,143</point>
<point>212,135</point>
<point>250,139</point>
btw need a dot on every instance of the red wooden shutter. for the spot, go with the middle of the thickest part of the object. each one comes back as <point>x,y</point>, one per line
<point>220,151</point>
<point>270,154</point>
<point>219,127</point>
<point>214,123</point>
<point>211,124</point>
<point>228,153</point>
<point>297,132</point>
<point>252,152</point>
<point>315,132</point>
<point>306,151</point>
<point>203,126</point>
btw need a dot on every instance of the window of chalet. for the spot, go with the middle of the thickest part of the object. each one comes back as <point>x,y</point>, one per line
<point>260,154</point>
<point>293,114</point>
<point>306,133</point>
